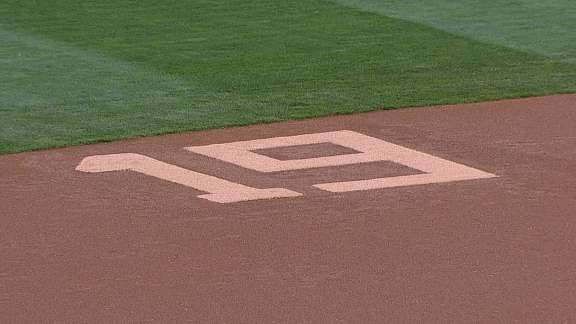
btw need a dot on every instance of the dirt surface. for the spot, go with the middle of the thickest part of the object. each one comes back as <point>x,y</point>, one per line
<point>114,247</point>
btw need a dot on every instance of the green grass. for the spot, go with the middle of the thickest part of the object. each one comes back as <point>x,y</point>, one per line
<point>75,72</point>
<point>543,27</point>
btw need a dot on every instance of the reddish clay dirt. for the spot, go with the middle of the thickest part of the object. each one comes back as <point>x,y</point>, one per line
<point>122,247</point>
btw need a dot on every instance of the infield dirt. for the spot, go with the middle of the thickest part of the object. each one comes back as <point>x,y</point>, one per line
<point>128,247</point>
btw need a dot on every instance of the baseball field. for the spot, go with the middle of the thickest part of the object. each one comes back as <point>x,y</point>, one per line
<point>77,72</point>
<point>305,161</point>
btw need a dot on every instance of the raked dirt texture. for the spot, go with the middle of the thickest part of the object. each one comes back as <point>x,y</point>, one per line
<point>193,238</point>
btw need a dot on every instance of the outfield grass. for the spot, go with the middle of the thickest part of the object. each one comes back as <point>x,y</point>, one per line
<point>76,72</point>
<point>543,27</point>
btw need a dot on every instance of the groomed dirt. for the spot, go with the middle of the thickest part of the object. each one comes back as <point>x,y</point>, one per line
<point>124,247</point>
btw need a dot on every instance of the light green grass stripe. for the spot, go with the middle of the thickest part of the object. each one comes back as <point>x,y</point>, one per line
<point>54,94</point>
<point>543,27</point>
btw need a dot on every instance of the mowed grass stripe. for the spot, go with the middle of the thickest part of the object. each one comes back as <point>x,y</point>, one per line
<point>116,69</point>
<point>543,27</point>
<point>54,95</point>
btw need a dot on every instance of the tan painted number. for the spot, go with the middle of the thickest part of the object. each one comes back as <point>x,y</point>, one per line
<point>435,170</point>
<point>219,190</point>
